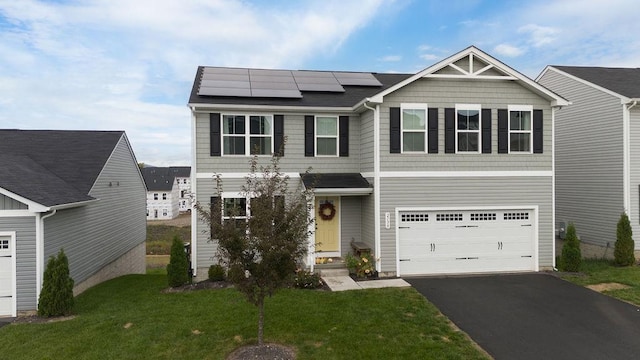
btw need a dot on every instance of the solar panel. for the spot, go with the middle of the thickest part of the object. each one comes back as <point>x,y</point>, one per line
<point>356,78</point>
<point>317,81</point>
<point>273,83</point>
<point>225,82</point>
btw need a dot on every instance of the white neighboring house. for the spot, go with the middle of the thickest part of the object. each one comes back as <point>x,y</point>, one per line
<point>183,178</point>
<point>162,193</point>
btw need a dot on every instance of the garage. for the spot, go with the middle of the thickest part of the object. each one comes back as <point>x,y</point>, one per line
<point>466,241</point>
<point>7,276</point>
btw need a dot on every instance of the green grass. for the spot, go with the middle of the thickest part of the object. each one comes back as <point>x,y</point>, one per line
<point>604,271</point>
<point>209,324</point>
<point>159,238</point>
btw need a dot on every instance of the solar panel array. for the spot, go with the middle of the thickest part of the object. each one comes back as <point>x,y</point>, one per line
<point>238,82</point>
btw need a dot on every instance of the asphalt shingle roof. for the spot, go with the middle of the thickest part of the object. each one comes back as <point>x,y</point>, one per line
<point>350,97</point>
<point>158,178</point>
<point>624,81</point>
<point>54,167</point>
<point>335,181</point>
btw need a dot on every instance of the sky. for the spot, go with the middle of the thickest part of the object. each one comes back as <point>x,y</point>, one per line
<point>130,64</point>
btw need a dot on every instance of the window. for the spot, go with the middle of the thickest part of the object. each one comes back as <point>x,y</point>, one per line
<point>326,136</point>
<point>520,128</point>
<point>413,120</point>
<point>236,140</point>
<point>155,196</point>
<point>164,196</point>
<point>468,128</point>
<point>164,212</point>
<point>235,208</point>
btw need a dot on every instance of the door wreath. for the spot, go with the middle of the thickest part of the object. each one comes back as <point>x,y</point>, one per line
<point>327,211</point>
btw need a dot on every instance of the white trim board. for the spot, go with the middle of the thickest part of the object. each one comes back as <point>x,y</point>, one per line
<point>461,174</point>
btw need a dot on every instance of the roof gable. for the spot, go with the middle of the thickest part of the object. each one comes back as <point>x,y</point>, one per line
<point>61,166</point>
<point>474,64</point>
<point>158,178</point>
<point>622,81</point>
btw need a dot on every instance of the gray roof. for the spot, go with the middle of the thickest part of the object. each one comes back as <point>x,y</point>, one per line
<point>335,181</point>
<point>158,178</point>
<point>350,97</point>
<point>54,167</point>
<point>624,81</point>
<point>180,171</point>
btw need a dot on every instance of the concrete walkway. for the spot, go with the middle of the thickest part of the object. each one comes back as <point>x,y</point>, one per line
<point>344,282</point>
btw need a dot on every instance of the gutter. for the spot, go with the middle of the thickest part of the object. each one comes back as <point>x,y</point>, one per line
<point>40,251</point>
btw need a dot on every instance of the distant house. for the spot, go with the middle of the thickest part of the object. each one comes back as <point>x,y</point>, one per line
<point>80,191</point>
<point>445,171</point>
<point>168,191</point>
<point>598,149</point>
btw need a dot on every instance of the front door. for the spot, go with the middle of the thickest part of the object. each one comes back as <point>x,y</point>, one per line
<point>327,226</point>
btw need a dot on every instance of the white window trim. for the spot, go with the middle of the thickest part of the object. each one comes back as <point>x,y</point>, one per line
<point>236,195</point>
<point>477,107</point>
<point>316,136</point>
<point>414,106</point>
<point>247,133</point>
<point>528,108</point>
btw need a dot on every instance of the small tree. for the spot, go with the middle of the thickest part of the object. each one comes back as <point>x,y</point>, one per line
<point>56,297</point>
<point>261,249</point>
<point>571,257</point>
<point>623,252</point>
<point>178,267</point>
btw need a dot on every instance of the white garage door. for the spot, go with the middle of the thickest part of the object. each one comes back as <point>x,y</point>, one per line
<point>469,241</point>
<point>7,286</point>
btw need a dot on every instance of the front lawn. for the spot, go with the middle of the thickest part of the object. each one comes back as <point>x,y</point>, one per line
<point>604,271</point>
<point>129,318</point>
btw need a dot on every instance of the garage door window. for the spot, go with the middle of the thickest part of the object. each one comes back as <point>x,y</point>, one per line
<point>483,216</point>
<point>448,217</point>
<point>414,217</point>
<point>4,244</point>
<point>516,216</point>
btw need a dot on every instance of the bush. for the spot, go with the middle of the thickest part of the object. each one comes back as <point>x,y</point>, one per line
<point>216,272</point>
<point>56,297</point>
<point>178,267</point>
<point>571,257</point>
<point>363,266</point>
<point>623,252</point>
<point>304,279</point>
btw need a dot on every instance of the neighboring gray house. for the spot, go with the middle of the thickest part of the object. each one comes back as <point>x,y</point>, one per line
<point>446,171</point>
<point>76,190</point>
<point>598,149</point>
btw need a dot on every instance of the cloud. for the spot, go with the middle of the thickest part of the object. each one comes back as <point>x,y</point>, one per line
<point>508,50</point>
<point>391,58</point>
<point>539,35</point>
<point>429,57</point>
<point>129,65</point>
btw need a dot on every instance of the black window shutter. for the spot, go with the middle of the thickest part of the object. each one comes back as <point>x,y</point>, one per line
<point>503,131</point>
<point>309,131</point>
<point>216,214</point>
<point>537,131</point>
<point>432,129</point>
<point>214,134</point>
<point>449,130</point>
<point>344,135</point>
<point>278,134</point>
<point>394,131</point>
<point>486,131</point>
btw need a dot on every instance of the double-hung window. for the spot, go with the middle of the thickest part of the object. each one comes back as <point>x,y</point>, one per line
<point>468,128</point>
<point>413,124</point>
<point>326,136</point>
<point>235,208</point>
<point>236,140</point>
<point>520,133</point>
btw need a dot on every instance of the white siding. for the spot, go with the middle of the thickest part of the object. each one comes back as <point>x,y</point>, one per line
<point>589,159</point>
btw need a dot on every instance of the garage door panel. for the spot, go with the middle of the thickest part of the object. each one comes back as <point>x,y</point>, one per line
<point>466,241</point>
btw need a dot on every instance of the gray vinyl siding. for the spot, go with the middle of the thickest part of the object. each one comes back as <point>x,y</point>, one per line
<point>466,192</point>
<point>294,159</point>
<point>99,233</point>
<point>589,159</point>
<point>25,228</point>
<point>441,94</point>
<point>350,222</point>
<point>7,203</point>
<point>367,217</point>
<point>366,141</point>
<point>635,174</point>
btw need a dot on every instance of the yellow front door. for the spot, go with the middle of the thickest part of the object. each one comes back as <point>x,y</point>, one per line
<point>328,225</point>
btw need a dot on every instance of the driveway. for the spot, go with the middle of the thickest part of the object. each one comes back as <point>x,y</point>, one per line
<point>536,316</point>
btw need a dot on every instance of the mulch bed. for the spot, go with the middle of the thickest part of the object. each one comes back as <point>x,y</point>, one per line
<point>202,285</point>
<point>264,352</point>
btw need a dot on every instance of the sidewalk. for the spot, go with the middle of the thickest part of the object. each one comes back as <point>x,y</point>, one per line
<point>343,283</point>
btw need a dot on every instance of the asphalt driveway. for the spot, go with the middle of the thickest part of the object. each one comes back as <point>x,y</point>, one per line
<point>536,316</point>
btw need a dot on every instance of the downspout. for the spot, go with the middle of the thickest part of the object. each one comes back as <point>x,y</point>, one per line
<point>376,181</point>
<point>194,197</point>
<point>553,187</point>
<point>626,123</point>
<point>40,251</point>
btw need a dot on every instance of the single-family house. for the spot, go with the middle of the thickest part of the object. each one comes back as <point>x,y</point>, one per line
<point>183,179</point>
<point>162,193</point>
<point>598,150</point>
<point>445,171</point>
<point>80,191</point>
